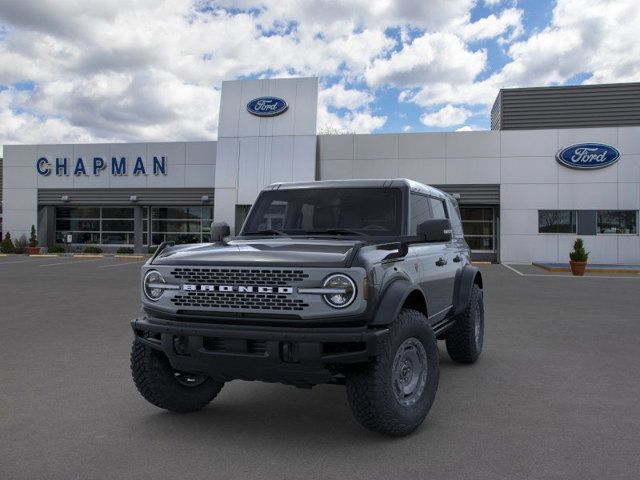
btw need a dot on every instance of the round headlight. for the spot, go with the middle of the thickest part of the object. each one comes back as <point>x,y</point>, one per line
<point>345,290</point>
<point>151,283</point>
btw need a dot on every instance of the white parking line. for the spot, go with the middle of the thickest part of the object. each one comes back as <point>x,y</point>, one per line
<point>121,264</point>
<point>69,263</point>
<point>549,275</point>
<point>513,269</point>
<point>20,261</point>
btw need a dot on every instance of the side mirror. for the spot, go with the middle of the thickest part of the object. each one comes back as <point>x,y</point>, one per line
<point>435,230</point>
<point>219,230</point>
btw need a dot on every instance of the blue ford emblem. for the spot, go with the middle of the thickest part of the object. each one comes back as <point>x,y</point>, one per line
<point>267,106</point>
<point>588,156</point>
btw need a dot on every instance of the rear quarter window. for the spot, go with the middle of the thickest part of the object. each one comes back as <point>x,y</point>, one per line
<point>454,216</point>
<point>437,208</point>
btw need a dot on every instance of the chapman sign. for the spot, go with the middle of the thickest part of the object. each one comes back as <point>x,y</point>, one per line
<point>117,166</point>
<point>588,156</point>
<point>267,106</point>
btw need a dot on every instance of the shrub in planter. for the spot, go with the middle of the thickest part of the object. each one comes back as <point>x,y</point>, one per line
<point>124,251</point>
<point>33,239</point>
<point>21,244</point>
<point>7,244</point>
<point>33,242</point>
<point>92,249</point>
<point>579,257</point>
<point>56,249</point>
<point>153,249</point>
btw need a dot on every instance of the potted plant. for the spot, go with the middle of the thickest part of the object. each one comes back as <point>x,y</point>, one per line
<point>579,257</point>
<point>34,249</point>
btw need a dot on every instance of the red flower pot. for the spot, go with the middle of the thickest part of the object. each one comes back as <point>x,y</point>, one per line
<point>578,268</point>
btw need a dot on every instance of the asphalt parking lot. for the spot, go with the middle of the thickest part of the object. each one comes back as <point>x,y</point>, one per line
<point>556,393</point>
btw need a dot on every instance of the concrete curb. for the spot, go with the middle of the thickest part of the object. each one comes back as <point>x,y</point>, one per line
<point>588,269</point>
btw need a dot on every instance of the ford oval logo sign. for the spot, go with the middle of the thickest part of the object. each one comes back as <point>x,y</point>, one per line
<point>267,106</point>
<point>588,156</point>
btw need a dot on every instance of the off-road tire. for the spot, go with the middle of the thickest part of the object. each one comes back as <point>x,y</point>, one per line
<point>370,388</point>
<point>156,382</point>
<point>462,344</point>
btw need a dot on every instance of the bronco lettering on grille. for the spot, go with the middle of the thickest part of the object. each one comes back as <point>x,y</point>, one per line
<point>237,288</point>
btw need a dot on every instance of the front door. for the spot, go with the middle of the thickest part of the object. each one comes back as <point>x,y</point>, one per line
<point>480,231</point>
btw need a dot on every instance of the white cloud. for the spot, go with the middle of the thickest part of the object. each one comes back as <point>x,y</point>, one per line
<point>340,97</point>
<point>17,125</point>
<point>352,122</point>
<point>468,128</point>
<point>358,118</point>
<point>331,16</point>
<point>447,116</point>
<point>509,20</point>
<point>407,128</point>
<point>432,57</point>
<point>405,96</point>
<point>584,36</point>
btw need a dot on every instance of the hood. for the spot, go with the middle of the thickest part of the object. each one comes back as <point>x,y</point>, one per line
<point>263,252</point>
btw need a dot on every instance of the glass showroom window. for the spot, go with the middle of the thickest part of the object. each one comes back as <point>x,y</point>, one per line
<point>180,224</point>
<point>82,223</point>
<point>556,221</point>
<point>117,226</point>
<point>479,227</point>
<point>95,225</point>
<point>618,221</point>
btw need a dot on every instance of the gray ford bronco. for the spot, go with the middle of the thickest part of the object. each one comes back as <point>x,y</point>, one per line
<point>342,282</point>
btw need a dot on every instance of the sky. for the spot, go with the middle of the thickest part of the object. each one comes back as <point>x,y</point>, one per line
<point>73,71</point>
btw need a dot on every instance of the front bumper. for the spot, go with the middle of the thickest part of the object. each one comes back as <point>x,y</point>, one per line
<point>299,356</point>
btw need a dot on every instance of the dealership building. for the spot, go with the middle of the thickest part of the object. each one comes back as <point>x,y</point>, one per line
<point>559,162</point>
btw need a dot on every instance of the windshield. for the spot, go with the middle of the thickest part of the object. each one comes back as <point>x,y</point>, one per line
<point>327,211</point>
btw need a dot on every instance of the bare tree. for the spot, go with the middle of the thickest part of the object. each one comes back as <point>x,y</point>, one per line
<point>332,129</point>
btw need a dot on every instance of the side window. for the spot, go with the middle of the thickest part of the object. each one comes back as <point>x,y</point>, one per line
<point>437,207</point>
<point>420,212</point>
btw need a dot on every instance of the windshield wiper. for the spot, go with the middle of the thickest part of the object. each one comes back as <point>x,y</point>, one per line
<point>268,231</point>
<point>336,231</point>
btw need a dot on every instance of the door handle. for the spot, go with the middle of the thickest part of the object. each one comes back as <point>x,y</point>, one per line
<point>441,262</point>
<point>457,258</point>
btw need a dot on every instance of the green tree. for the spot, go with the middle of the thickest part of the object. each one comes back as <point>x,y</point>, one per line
<point>579,254</point>
<point>7,244</point>
<point>33,239</point>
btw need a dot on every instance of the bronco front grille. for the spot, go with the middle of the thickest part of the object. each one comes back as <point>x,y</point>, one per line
<point>238,276</point>
<point>238,301</point>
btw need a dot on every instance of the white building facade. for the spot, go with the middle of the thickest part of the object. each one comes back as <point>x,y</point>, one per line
<point>519,203</point>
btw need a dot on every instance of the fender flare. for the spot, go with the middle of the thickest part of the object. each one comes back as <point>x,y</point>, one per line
<point>392,300</point>
<point>469,275</point>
